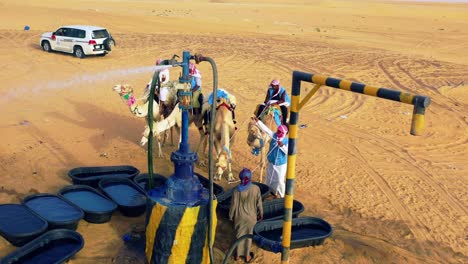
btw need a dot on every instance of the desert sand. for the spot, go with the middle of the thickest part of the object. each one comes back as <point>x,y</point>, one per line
<point>391,197</point>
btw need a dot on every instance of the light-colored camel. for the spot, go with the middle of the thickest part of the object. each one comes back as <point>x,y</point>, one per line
<point>224,131</point>
<point>175,120</point>
<point>139,108</point>
<point>259,140</point>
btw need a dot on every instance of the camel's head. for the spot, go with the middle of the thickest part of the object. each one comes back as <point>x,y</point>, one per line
<point>224,102</point>
<point>126,93</point>
<point>255,138</point>
<point>222,164</point>
<point>123,89</point>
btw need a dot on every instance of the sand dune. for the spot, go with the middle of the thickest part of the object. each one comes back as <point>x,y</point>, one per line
<point>391,197</point>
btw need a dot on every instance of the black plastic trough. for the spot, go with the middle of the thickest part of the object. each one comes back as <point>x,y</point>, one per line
<point>305,232</point>
<point>158,180</point>
<point>274,209</point>
<point>97,208</point>
<point>19,225</point>
<point>143,179</point>
<point>58,212</point>
<point>217,189</point>
<point>92,175</point>
<point>224,200</point>
<point>130,198</point>
<point>53,247</point>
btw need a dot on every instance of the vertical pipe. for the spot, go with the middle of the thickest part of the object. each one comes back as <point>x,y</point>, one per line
<point>185,67</point>
<point>210,150</point>
<point>199,58</point>
<point>154,83</point>
<point>184,145</point>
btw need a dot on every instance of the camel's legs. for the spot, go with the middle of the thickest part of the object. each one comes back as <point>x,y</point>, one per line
<point>144,139</point>
<point>160,154</point>
<point>230,176</point>
<point>203,142</point>
<point>172,137</point>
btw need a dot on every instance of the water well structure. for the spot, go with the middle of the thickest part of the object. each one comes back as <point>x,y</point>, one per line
<point>181,218</point>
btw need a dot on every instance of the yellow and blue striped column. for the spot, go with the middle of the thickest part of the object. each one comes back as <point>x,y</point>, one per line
<point>178,234</point>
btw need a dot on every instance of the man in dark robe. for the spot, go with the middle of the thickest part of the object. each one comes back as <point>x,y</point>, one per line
<point>246,208</point>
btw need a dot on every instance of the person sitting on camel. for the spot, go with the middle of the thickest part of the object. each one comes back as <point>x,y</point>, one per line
<point>196,85</point>
<point>276,95</point>
<point>160,93</point>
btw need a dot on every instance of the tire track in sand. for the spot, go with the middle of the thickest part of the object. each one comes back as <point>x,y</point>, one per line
<point>419,190</point>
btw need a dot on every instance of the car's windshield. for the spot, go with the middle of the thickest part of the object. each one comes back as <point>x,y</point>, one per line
<point>102,33</point>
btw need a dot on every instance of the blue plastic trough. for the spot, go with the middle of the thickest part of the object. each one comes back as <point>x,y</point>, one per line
<point>58,212</point>
<point>305,232</point>
<point>19,225</point>
<point>274,209</point>
<point>224,200</point>
<point>143,179</point>
<point>130,198</point>
<point>97,208</point>
<point>53,247</point>
<point>92,175</point>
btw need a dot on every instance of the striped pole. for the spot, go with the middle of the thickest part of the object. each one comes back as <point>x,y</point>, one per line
<point>419,102</point>
<point>417,125</point>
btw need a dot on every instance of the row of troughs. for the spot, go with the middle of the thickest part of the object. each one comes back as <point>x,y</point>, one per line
<point>44,225</point>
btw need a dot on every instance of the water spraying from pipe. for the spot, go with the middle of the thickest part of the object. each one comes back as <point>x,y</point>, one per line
<point>76,80</point>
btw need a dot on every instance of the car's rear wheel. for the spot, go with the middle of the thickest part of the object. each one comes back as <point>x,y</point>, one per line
<point>46,46</point>
<point>78,52</point>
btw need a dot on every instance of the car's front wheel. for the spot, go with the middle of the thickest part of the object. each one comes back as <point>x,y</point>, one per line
<point>78,52</point>
<point>46,46</point>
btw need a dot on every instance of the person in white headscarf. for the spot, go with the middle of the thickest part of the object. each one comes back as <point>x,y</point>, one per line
<point>196,85</point>
<point>161,93</point>
<point>277,158</point>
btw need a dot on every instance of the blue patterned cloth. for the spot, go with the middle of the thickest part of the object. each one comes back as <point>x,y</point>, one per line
<point>220,93</point>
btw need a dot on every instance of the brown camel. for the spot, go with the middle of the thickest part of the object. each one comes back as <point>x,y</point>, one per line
<point>257,139</point>
<point>224,130</point>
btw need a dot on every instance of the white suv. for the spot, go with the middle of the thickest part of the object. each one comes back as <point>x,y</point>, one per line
<point>79,40</point>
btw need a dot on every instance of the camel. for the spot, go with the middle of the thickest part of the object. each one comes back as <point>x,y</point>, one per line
<point>175,119</point>
<point>139,108</point>
<point>257,139</point>
<point>224,130</point>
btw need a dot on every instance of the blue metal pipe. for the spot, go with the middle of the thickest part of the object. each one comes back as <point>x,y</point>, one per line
<point>184,145</point>
<point>185,67</point>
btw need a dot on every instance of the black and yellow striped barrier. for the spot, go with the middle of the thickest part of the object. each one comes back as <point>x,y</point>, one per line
<point>417,124</point>
<point>178,234</point>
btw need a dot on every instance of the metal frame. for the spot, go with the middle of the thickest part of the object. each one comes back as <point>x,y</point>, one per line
<point>420,103</point>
